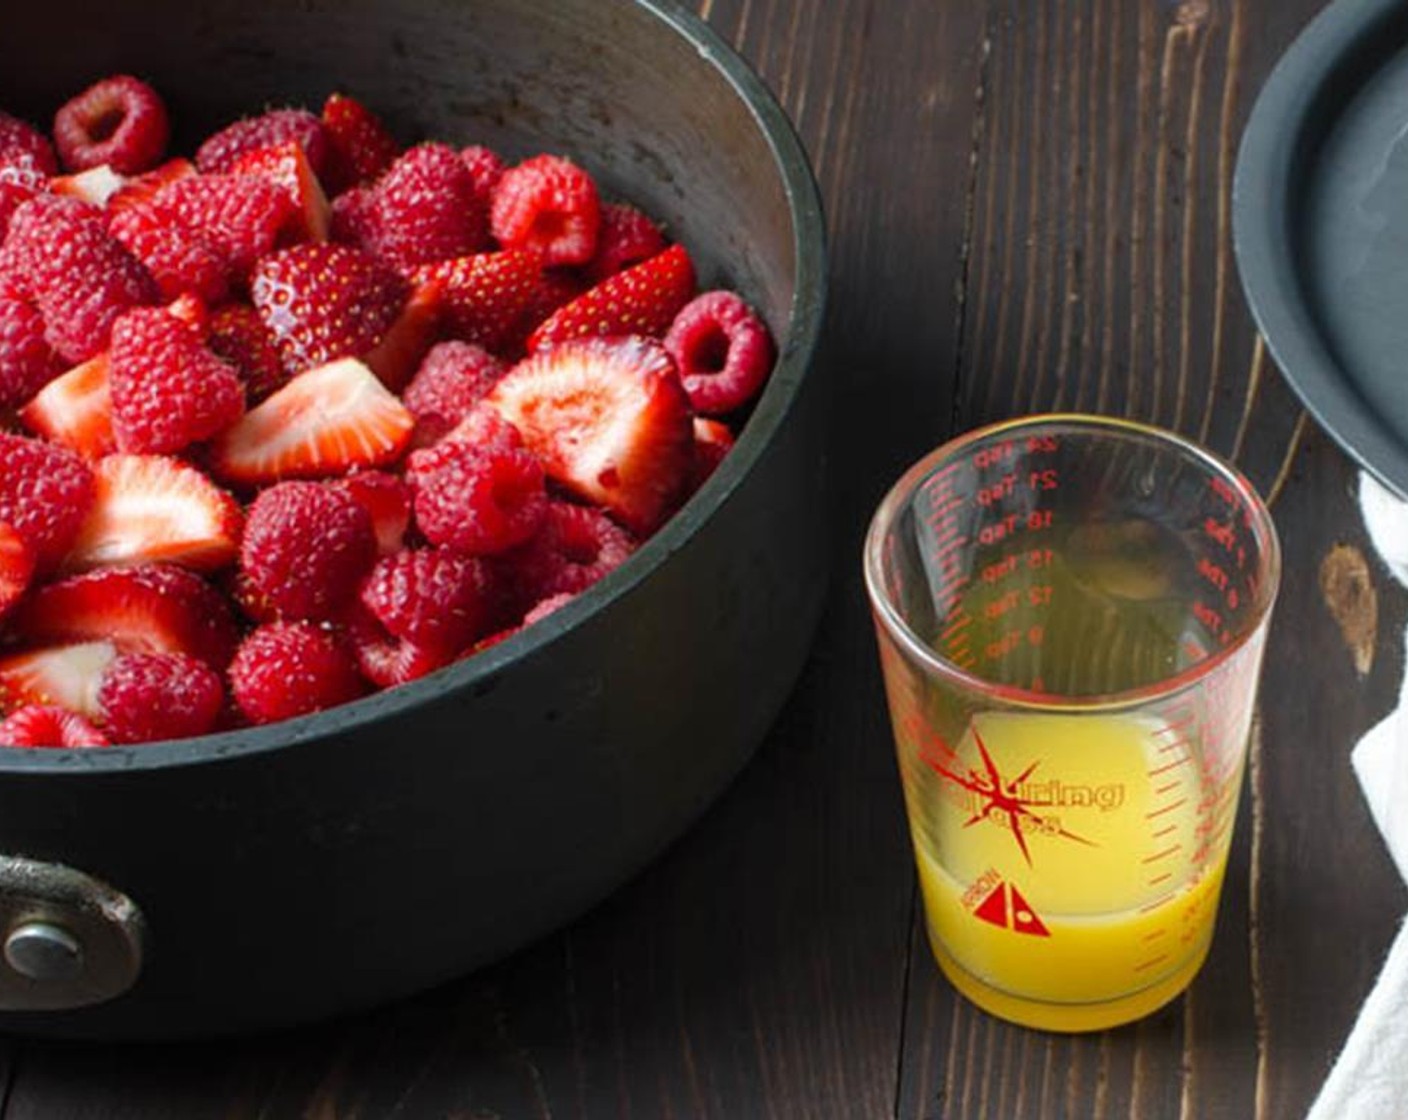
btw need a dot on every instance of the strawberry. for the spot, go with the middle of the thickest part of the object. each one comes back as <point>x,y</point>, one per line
<point>27,363</point>
<point>626,238</point>
<point>66,675</point>
<point>723,351</point>
<point>322,302</point>
<point>238,335</point>
<point>46,493</point>
<point>326,421</point>
<point>306,547</point>
<point>395,358</point>
<point>180,258</point>
<point>19,139</point>
<point>150,508</point>
<point>168,390</point>
<point>143,187</point>
<point>148,608</point>
<point>241,215</point>
<point>120,121</point>
<point>75,410</point>
<point>16,566</point>
<point>222,150</point>
<point>287,167</point>
<point>148,697</point>
<point>40,725</point>
<point>713,439</point>
<point>548,204</point>
<point>451,380</point>
<point>387,500</point>
<point>288,669</point>
<point>96,185</point>
<point>81,276</point>
<point>359,146</point>
<point>644,299</point>
<point>484,296</point>
<point>609,420</point>
<point>437,599</point>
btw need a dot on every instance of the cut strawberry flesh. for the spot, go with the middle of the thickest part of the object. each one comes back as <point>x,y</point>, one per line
<point>67,676</point>
<point>325,422</point>
<point>75,409</point>
<point>150,508</point>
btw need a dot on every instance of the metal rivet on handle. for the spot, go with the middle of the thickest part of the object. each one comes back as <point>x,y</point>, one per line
<point>44,951</point>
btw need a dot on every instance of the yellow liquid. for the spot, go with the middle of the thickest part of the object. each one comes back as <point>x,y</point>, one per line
<point>1109,912</point>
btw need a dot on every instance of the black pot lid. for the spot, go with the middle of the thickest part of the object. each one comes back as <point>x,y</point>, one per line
<point>1320,221</point>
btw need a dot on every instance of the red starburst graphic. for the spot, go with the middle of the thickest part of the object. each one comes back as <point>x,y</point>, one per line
<point>999,796</point>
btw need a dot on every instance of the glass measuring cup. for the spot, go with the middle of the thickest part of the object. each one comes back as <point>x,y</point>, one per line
<point>1071,612</point>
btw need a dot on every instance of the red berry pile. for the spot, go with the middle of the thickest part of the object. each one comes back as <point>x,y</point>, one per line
<point>310,414</point>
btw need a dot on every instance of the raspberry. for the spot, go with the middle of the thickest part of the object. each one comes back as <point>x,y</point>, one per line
<point>19,138</point>
<point>322,302</point>
<point>387,500</point>
<point>486,168</point>
<point>387,661</point>
<point>546,607</point>
<point>168,390</point>
<point>352,220</point>
<point>120,121</point>
<point>20,180</point>
<point>626,237</point>
<point>550,204</point>
<point>452,379</point>
<point>81,276</point>
<point>723,351</point>
<point>278,126</point>
<point>45,725</point>
<point>482,429</point>
<point>239,335</point>
<point>240,214</point>
<point>153,696</point>
<point>424,209</point>
<point>179,257</point>
<point>45,493</point>
<point>27,363</point>
<point>436,599</point>
<point>575,547</point>
<point>483,501</point>
<point>288,669</point>
<point>306,547</point>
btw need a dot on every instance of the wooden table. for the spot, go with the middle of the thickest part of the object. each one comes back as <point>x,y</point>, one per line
<point>1029,206</point>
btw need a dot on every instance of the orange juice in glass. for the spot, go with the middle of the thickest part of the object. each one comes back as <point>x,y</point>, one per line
<point>1071,613</point>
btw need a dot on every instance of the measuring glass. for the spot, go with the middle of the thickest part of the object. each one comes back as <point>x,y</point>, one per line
<point>1071,612</point>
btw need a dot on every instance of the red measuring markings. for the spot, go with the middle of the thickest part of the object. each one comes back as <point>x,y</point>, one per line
<point>999,796</point>
<point>1004,906</point>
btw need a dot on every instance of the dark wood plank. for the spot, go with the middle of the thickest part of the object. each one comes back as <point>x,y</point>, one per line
<point>759,969</point>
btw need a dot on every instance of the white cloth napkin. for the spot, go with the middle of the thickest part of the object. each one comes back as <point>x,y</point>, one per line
<point>1369,1080</point>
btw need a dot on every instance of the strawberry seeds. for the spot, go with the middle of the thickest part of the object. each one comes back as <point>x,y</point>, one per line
<point>310,413</point>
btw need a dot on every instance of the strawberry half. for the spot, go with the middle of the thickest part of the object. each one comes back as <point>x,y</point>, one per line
<point>67,676</point>
<point>483,297</point>
<point>397,356</point>
<point>326,421</point>
<point>140,188</point>
<point>610,421</point>
<point>150,508</point>
<point>95,185</point>
<point>286,166</point>
<point>644,299</point>
<point>149,608</point>
<point>75,409</point>
<point>359,146</point>
<point>16,566</point>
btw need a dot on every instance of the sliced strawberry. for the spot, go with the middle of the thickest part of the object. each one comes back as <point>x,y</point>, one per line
<point>322,302</point>
<point>140,188</point>
<point>387,499</point>
<point>16,566</point>
<point>644,299</point>
<point>45,725</point>
<point>75,409</point>
<point>67,676</point>
<point>150,508</point>
<point>329,420</point>
<point>399,353</point>
<point>95,185</point>
<point>484,296</point>
<point>713,439</point>
<point>148,608</point>
<point>286,166</point>
<point>360,147</point>
<point>609,420</point>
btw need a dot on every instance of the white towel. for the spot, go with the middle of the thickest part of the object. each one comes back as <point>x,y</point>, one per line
<point>1369,1080</point>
